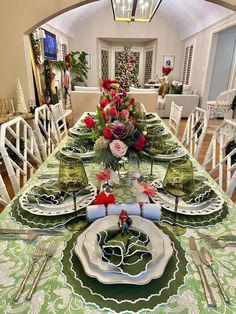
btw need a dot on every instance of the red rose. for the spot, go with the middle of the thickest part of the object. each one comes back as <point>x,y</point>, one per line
<point>107,133</point>
<point>113,112</point>
<point>124,93</point>
<point>132,101</point>
<point>105,117</point>
<point>89,122</point>
<point>104,102</point>
<point>105,199</point>
<point>117,99</point>
<point>113,93</point>
<point>139,144</point>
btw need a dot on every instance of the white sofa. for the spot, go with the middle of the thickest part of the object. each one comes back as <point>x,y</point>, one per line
<point>84,100</point>
<point>148,97</point>
<point>188,102</point>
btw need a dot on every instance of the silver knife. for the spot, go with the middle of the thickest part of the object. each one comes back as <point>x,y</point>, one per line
<point>197,261</point>
<point>39,232</point>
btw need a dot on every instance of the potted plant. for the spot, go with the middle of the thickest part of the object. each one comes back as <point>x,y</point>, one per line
<point>78,68</point>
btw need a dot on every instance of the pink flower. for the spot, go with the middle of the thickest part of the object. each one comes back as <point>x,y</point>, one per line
<point>132,101</point>
<point>118,148</point>
<point>89,122</point>
<point>124,114</point>
<point>107,133</point>
<point>124,93</point>
<point>148,189</point>
<point>105,117</point>
<point>104,175</point>
<point>140,143</point>
<point>104,102</point>
<point>117,99</point>
<point>113,93</point>
<point>113,112</point>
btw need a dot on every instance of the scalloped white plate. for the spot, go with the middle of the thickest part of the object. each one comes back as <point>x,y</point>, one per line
<point>66,207</point>
<point>167,201</point>
<point>155,270</point>
<point>156,245</point>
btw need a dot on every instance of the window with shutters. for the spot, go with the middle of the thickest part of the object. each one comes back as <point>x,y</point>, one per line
<point>187,65</point>
<point>148,65</point>
<point>105,64</point>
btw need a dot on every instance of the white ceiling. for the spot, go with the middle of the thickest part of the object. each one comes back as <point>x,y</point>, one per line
<point>186,16</point>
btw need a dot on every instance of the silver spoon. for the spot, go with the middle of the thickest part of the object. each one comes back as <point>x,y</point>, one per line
<point>207,259</point>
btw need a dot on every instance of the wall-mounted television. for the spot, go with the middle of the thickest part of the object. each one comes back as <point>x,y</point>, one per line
<point>50,46</point>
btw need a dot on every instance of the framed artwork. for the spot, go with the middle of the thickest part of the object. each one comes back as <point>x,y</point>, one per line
<point>168,61</point>
<point>88,61</point>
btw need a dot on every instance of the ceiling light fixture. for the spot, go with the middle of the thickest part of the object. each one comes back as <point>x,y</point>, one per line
<point>134,10</point>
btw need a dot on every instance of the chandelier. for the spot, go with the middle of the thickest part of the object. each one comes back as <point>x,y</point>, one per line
<point>134,10</point>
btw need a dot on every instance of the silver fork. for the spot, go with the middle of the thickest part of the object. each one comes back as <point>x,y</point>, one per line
<point>38,254</point>
<point>50,251</point>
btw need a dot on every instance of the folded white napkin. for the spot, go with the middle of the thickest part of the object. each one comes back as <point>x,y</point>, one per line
<point>95,211</point>
<point>131,208</point>
<point>151,211</point>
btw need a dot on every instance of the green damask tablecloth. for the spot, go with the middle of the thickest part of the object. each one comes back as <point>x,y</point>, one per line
<point>55,295</point>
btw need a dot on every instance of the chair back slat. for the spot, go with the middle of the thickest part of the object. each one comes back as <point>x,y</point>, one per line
<point>175,117</point>
<point>58,114</point>
<point>45,130</point>
<point>220,163</point>
<point>195,131</point>
<point>19,151</point>
<point>4,196</point>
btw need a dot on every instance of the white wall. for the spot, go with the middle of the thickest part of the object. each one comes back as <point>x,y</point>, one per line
<point>102,25</point>
<point>204,51</point>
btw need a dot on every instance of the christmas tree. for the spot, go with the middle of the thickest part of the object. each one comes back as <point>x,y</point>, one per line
<point>126,72</point>
<point>20,99</point>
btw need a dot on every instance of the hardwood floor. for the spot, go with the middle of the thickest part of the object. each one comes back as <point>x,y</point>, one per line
<point>203,151</point>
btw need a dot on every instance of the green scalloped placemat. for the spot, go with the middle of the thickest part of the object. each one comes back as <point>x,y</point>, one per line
<point>35,221</point>
<point>198,220</point>
<point>125,297</point>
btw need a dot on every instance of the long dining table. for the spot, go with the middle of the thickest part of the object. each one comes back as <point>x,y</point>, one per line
<point>62,289</point>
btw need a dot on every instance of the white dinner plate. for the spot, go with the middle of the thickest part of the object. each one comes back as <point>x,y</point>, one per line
<point>66,207</point>
<point>167,201</point>
<point>155,270</point>
<point>156,244</point>
<point>177,153</point>
<point>81,152</point>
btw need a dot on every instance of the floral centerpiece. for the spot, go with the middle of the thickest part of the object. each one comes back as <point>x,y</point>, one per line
<point>119,128</point>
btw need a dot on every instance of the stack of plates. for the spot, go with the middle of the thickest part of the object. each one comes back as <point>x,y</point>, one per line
<point>207,206</point>
<point>66,207</point>
<point>82,152</point>
<point>90,254</point>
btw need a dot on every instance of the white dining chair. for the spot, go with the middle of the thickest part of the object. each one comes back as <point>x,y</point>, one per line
<point>222,104</point>
<point>175,117</point>
<point>4,196</point>
<point>219,161</point>
<point>195,131</point>
<point>59,116</point>
<point>45,130</point>
<point>19,151</point>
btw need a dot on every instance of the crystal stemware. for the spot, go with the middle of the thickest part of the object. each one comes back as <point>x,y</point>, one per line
<point>179,182</point>
<point>155,145</point>
<point>72,176</point>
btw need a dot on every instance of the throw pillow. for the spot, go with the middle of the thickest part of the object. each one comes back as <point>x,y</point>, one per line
<point>165,90</point>
<point>176,89</point>
<point>187,90</point>
<point>160,90</point>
